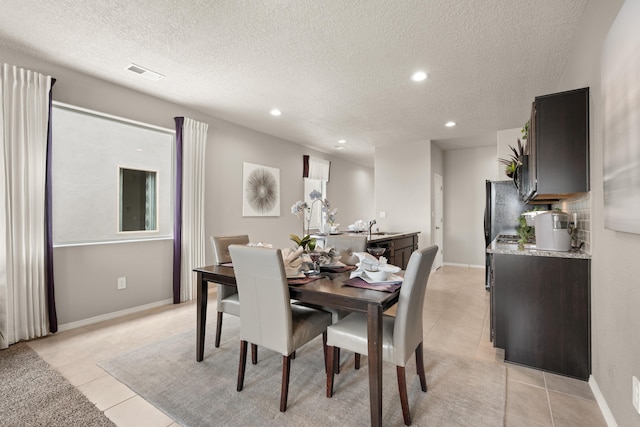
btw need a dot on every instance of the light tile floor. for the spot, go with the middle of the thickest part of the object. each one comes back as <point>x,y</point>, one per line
<point>456,320</point>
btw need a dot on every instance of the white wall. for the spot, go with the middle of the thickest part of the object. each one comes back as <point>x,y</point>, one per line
<point>86,276</point>
<point>465,173</point>
<point>350,189</point>
<point>615,287</point>
<point>403,189</point>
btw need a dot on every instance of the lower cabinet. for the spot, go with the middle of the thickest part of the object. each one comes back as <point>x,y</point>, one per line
<point>540,312</point>
<point>399,249</point>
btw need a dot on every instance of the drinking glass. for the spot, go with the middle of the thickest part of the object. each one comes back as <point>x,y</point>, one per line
<point>315,257</point>
<point>376,251</point>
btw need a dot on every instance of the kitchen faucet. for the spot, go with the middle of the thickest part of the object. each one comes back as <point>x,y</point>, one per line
<point>371,223</point>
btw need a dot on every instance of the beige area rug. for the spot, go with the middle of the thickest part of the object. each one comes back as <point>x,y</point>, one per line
<point>462,392</point>
<point>32,393</point>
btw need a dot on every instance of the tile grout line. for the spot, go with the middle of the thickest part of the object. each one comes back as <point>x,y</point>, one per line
<point>544,377</point>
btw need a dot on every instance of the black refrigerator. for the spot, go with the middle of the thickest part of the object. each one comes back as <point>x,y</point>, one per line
<point>502,210</point>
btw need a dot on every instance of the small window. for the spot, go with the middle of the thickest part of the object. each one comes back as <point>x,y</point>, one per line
<point>138,195</point>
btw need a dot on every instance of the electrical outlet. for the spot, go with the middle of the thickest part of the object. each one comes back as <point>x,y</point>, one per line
<point>383,214</point>
<point>122,283</point>
<point>636,394</point>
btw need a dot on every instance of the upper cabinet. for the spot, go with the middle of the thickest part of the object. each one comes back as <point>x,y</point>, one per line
<point>558,147</point>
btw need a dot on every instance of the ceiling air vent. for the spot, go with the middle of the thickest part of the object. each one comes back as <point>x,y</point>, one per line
<point>143,72</point>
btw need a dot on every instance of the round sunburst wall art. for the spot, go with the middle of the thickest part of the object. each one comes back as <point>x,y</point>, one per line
<point>261,188</point>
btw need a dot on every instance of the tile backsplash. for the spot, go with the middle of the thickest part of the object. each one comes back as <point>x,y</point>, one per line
<point>581,206</point>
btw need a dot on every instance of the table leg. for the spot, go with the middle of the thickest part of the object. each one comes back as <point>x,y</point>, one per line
<point>374,337</point>
<point>202,293</point>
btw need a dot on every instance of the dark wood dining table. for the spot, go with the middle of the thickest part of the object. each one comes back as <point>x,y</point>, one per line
<point>330,291</point>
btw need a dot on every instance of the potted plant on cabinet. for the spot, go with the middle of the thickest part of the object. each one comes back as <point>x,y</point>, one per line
<point>513,163</point>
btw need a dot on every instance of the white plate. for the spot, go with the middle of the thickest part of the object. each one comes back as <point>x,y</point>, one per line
<point>391,279</point>
<point>385,267</point>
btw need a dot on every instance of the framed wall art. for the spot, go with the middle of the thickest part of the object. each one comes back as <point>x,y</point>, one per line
<point>260,190</point>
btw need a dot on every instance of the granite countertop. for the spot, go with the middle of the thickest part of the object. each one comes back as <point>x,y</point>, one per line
<point>530,250</point>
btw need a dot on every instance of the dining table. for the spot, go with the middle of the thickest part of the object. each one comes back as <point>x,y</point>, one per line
<point>329,290</point>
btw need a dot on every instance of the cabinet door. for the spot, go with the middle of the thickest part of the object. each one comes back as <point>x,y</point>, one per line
<point>559,149</point>
<point>542,312</point>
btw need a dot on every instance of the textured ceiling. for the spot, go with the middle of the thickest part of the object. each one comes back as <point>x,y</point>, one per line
<point>338,69</point>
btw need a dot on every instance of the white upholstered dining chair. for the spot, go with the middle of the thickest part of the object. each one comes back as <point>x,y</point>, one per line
<point>402,335</point>
<point>267,317</point>
<point>227,299</point>
<point>345,246</point>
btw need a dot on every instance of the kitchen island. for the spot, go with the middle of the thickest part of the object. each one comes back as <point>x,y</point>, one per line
<point>399,245</point>
<point>540,308</point>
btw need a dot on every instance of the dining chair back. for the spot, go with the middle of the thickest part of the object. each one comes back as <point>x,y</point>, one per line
<point>402,334</point>
<point>227,298</point>
<point>267,317</point>
<point>346,246</point>
<point>407,331</point>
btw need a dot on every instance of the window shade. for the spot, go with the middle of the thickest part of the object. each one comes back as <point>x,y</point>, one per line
<point>315,168</point>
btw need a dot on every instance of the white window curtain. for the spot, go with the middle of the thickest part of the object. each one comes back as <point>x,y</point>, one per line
<point>319,169</point>
<point>24,121</point>
<point>194,142</point>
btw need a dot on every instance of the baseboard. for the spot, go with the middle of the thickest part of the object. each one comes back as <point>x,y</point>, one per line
<point>115,314</point>
<point>604,408</point>
<point>455,264</point>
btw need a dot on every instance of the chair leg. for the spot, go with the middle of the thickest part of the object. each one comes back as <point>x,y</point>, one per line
<point>218,329</point>
<point>330,355</point>
<point>420,367</point>
<point>336,361</point>
<point>241,366</point>
<point>324,350</point>
<point>357,362</point>
<point>404,401</point>
<point>284,393</point>
<point>254,354</point>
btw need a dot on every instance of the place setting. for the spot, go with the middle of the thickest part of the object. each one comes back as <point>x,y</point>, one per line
<point>373,272</point>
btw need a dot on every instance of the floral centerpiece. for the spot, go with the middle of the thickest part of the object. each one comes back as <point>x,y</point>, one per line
<point>304,211</point>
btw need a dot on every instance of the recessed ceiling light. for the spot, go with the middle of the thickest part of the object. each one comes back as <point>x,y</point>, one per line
<point>276,112</point>
<point>139,149</point>
<point>339,147</point>
<point>419,76</point>
<point>450,124</point>
<point>144,72</point>
<point>342,141</point>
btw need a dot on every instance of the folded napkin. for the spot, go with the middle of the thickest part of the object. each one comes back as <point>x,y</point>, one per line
<point>370,263</point>
<point>328,256</point>
<point>292,259</point>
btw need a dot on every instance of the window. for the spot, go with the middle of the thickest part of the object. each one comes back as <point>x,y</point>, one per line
<point>112,178</point>
<point>137,200</point>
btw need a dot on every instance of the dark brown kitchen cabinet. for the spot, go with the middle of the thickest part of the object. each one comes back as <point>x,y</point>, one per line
<point>558,147</point>
<point>540,312</point>
<point>399,249</point>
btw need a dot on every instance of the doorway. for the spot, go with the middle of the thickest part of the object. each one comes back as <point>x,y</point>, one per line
<point>437,220</point>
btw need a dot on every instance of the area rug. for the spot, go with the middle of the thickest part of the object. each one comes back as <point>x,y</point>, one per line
<point>461,391</point>
<point>34,394</point>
